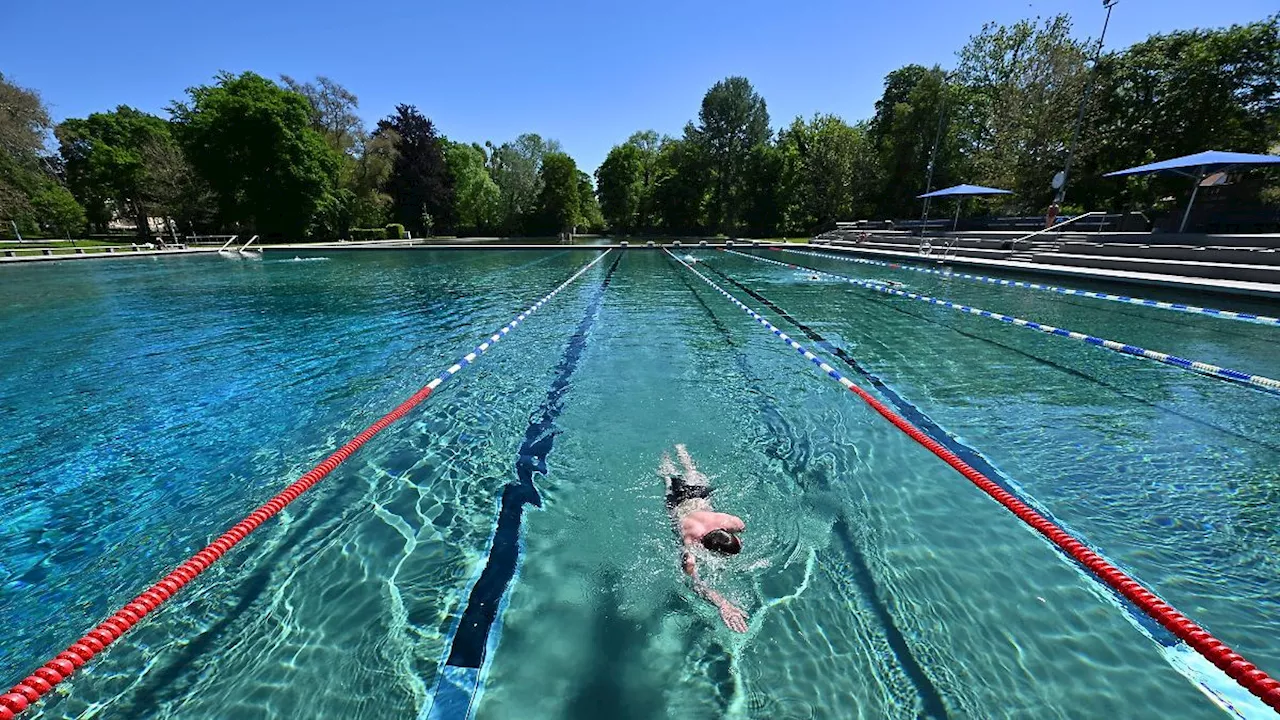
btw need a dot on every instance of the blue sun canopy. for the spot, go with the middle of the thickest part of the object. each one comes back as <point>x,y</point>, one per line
<point>1201,163</point>
<point>968,190</point>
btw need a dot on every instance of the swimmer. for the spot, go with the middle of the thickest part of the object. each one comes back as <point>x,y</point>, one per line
<point>701,528</point>
<point>814,277</point>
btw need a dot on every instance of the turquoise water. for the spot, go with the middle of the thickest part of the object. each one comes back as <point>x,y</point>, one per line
<point>150,404</point>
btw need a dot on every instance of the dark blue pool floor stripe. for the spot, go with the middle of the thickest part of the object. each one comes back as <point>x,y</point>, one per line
<point>932,703</point>
<point>970,455</point>
<point>468,648</point>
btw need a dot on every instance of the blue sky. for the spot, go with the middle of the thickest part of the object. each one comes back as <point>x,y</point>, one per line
<point>588,73</point>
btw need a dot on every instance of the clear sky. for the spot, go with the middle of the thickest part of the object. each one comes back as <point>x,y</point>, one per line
<point>586,72</point>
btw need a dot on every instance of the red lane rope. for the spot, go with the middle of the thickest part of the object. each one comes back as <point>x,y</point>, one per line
<point>41,682</point>
<point>1242,671</point>
<point>1212,649</point>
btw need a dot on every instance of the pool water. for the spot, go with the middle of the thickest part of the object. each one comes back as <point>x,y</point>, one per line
<point>152,403</point>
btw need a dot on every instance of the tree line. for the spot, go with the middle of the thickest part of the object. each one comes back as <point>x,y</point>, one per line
<point>293,159</point>
<point>284,159</point>
<point>1003,117</point>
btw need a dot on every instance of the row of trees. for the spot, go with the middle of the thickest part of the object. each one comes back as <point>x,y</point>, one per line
<point>294,159</point>
<point>289,159</point>
<point>1003,117</point>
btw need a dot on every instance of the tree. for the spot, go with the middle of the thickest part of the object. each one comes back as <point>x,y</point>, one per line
<point>31,194</point>
<point>420,183</point>
<point>828,172</point>
<point>333,111</point>
<point>559,207</point>
<point>253,143</point>
<point>1025,82</point>
<point>621,181</point>
<point>681,188</point>
<point>516,168</point>
<point>477,197</point>
<point>591,218</point>
<point>105,163</point>
<point>918,108</point>
<point>732,122</point>
<point>1178,94</point>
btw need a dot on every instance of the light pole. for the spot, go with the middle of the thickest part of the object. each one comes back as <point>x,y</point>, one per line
<point>1084,103</point>
<point>933,154</point>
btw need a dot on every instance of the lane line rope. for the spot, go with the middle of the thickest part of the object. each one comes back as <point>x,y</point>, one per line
<point>1179,307</point>
<point>1261,382</point>
<point>1215,651</point>
<point>42,681</point>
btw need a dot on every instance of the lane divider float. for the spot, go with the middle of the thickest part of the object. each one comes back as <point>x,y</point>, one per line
<point>1248,675</point>
<point>1179,307</point>
<point>1261,382</point>
<point>42,681</point>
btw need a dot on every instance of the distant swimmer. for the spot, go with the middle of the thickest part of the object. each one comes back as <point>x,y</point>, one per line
<point>701,528</point>
<point>814,277</point>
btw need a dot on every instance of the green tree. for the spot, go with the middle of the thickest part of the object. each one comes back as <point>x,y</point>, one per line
<point>828,173</point>
<point>621,181</point>
<point>590,216</point>
<point>333,111</point>
<point>763,196</point>
<point>732,123</point>
<point>105,156</point>
<point>478,199</point>
<point>253,143</point>
<point>918,108</point>
<point>516,168</point>
<point>420,183</point>
<point>58,210</point>
<point>559,207</point>
<point>1025,81</point>
<point>24,125</point>
<point>1178,94</point>
<point>682,188</point>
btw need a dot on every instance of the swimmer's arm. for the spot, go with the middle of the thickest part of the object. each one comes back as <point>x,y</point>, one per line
<point>732,523</point>
<point>733,616</point>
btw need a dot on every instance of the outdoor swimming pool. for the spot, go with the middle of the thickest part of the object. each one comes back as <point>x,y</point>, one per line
<point>151,404</point>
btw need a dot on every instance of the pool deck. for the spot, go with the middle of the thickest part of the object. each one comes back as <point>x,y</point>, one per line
<point>94,254</point>
<point>1179,282</point>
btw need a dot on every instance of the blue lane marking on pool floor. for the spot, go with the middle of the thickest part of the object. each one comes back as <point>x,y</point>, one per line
<point>461,679</point>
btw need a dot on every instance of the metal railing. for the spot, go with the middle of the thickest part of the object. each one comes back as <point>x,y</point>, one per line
<point>1051,228</point>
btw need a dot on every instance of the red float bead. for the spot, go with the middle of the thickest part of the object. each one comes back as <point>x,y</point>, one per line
<point>38,684</point>
<point>83,650</point>
<point>93,643</point>
<point>71,657</point>
<point>61,666</point>
<point>5,713</point>
<point>15,702</point>
<point>49,675</point>
<point>26,691</point>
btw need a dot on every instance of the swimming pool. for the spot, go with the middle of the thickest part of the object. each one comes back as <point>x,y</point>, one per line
<point>153,403</point>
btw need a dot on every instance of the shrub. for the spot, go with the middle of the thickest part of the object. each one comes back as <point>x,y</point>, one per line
<point>395,231</point>
<point>368,233</point>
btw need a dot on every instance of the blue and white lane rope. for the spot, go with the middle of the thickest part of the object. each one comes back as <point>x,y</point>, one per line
<point>1179,307</point>
<point>494,338</point>
<point>1259,381</point>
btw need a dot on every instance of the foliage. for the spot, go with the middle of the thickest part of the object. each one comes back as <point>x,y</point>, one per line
<point>621,181</point>
<point>516,169</point>
<point>333,111</point>
<point>30,193</point>
<point>395,231</point>
<point>732,123</point>
<point>359,234</point>
<point>419,184</point>
<point>58,210</point>
<point>1024,86</point>
<point>478,201</point>
<point>106,157</point>
<point>253,143</point>
<point>590,218</point>
<point>559,206</point>
<point>828,172</point>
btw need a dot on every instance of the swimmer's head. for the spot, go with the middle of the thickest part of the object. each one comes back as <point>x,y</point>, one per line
<point>722,542</point>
